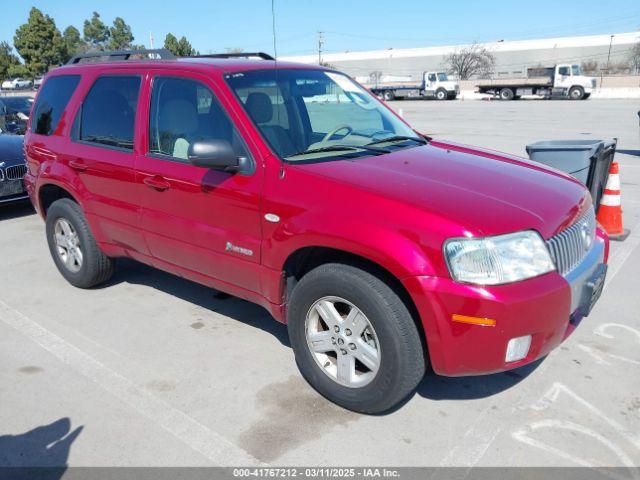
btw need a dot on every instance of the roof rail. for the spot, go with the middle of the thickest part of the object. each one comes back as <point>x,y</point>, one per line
<point>262,55</point>
<point>118,55</point>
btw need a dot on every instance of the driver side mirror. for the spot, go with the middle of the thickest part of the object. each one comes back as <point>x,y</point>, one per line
<point>217,155</point>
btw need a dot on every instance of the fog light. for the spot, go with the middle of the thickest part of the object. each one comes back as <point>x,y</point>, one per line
<point>517,348</point>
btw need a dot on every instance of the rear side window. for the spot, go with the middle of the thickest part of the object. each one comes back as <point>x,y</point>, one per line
<point>52,100</point>
<point>108,112</point>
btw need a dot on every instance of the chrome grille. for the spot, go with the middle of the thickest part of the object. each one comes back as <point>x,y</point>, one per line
<point>569,247</point>
<point>16,172</point>
<point>1,175</point>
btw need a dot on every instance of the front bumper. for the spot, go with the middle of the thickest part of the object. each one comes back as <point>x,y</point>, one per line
<point>545,307</point>
<point>12,191</point>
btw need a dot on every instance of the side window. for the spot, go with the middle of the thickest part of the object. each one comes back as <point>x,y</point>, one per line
<point>108,112</point>
<point>184,111</point>
<point>52,100</point>
<point>563,70</point>
<point>432,77</point>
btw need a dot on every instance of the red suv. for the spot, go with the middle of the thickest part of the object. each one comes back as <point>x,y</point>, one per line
<point>384,251</point>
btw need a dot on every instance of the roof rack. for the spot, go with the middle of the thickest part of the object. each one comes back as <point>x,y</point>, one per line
<point>118,55</point>
<point>262,55</point>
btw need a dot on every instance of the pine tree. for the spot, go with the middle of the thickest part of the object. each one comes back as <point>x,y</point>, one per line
<point>8,60</point>
<point>180,48</point>
<point>120,35</point>
<point>73,43</point>
<point>96,33</point>
<point>39,43</point>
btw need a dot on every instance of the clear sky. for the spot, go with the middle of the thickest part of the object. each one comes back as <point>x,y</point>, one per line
<point>214,25</point>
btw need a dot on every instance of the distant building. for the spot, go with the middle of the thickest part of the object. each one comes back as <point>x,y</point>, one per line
<point>512,57</point>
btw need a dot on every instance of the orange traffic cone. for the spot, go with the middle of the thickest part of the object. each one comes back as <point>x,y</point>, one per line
<point>610,211</point>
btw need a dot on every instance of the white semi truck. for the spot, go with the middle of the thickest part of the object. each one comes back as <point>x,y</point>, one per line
<point>558,81</point>
<point>433,85</point>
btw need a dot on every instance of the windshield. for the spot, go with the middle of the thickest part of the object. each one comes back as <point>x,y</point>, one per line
<point>442,77</point>
<point>575,69</point>
<point>20,104</point>
<point>313,114</point>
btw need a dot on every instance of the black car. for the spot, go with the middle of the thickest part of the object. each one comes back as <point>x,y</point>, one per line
<point>12,168</point>
<point>14,113</point>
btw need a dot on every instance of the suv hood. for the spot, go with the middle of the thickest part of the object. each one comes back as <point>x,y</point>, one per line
<point>484,192</point>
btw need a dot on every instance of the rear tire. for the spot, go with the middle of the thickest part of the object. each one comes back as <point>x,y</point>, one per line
<point>506,94</point>
<point>393,336</point>
<point>388,96</point>
<point>73,247</point>
<point>576,93</point>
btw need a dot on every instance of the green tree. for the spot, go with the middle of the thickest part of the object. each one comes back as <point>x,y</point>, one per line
<point>180,48</point>
<point>73,43</point>
<point>7,60</point>
<point>120,35</point>
<point>171,43</point>
<point>185,48</point>
<point>96,33</point>
<point>39,43</point>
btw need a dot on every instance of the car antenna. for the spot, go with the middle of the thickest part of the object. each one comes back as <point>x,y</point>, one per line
<point>275,66</point>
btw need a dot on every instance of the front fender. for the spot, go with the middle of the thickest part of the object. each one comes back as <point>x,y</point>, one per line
<point>393,249</point>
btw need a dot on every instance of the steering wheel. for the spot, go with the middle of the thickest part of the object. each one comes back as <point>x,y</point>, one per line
<point>335,130</point>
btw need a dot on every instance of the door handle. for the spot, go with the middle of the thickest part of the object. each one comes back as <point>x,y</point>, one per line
<point>157,183</point>
<point>78,164</point>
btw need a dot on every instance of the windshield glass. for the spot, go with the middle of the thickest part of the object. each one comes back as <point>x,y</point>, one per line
<point>314,114</point>
<point>442,77</point>
<point>576,69</point>
<point>19,104</point>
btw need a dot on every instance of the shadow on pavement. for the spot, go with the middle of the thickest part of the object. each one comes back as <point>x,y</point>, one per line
<point>435,387</point>
<point>46,446</point>
<point>246,312</point>
<point>16,210</point>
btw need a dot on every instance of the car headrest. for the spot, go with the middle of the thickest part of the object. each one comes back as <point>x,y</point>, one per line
<point>259,107</point>
<point>178,116</point>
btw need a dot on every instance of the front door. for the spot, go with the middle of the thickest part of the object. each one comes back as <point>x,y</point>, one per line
<point>206,221</point>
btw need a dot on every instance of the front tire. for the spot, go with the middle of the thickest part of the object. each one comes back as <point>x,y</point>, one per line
<point>441,94</point>
<point>576,93</point>
<point>388,96</point>
<point>73,248</point>
<point>354,339</point>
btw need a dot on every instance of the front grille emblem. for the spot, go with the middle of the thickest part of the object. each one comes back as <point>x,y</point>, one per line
<point>587,237</point>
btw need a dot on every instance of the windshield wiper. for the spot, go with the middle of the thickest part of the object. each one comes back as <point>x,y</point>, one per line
<point>339,148</point>
<point>398,138</point>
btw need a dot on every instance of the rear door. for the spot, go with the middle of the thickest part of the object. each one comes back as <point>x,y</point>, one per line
<point>206,221</point>
<point>102,154</point>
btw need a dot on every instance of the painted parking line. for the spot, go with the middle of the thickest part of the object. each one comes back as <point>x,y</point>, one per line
<point>200,438</point>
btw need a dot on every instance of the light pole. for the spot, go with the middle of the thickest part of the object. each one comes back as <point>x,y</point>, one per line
<point>320,44</point>
<point>608,58</point>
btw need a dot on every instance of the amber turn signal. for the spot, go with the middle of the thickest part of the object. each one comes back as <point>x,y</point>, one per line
<point>486,322</point>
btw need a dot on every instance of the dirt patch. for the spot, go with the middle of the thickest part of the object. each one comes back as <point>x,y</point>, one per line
<point>161,385</point>
<point>197,325</point>
<point>30,370</point>
<point>293,414</point>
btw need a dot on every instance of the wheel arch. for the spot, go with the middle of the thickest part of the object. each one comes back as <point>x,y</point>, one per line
<point>50,192</point>
<point>305,259</point>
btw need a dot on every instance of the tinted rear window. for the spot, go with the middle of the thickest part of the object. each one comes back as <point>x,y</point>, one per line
<point>109,110</point>
<point>52,100</point>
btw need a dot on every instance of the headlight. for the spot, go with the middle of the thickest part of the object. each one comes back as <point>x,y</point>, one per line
<point>500,259</point>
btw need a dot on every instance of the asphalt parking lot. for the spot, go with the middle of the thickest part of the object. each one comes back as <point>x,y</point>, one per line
<point>153,370</point>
